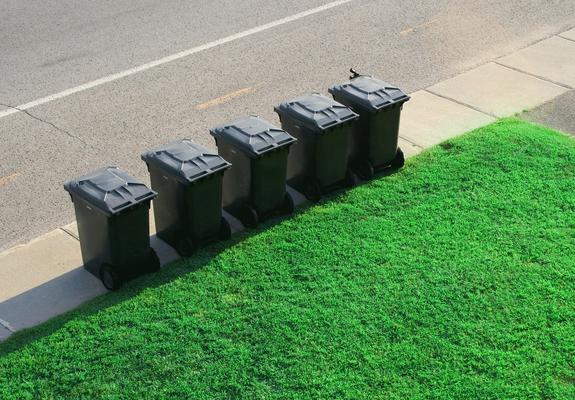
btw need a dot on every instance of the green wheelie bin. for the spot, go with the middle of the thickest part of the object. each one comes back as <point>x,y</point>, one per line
<point>374,142</point>
<point>188,208</point>
<point>255,187</point>
<point>113,225</point>
<point>319,162</point>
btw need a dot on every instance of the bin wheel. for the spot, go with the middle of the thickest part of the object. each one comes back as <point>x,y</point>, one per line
<point>249,216</point>
<point>154,262</point>
<point>186,247</point>
<point>225,230</point>
<point>350,178</point>
<point>289,204</point>
<point>110,277</point>
<point>364,170</point>
<point>312,190</point>
<point>399,160</point>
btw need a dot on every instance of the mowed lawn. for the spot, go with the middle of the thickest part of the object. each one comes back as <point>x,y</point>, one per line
<point>454,278</point>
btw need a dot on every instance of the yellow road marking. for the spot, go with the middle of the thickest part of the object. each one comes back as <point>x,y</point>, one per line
<point>4,180</point>
<point>415,28</point>
<point>224,98</point>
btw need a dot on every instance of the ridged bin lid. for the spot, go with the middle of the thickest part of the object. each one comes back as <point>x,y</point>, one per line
<point>185,160</point>
<point>253,135</point>
<point>316,112</point>
<point>369,93</point>
<point>110,189</point>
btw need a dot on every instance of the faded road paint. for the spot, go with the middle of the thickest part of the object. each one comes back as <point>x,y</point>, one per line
<point>225,98</point>
<point>4,180</point>
<point>418,27</point>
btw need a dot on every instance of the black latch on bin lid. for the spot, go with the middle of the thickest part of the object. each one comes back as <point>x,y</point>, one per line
<point>253,135</point>
<point>185,160</point>
<point>110,189</point>
<point>369,93</point>
<point>316,112</point>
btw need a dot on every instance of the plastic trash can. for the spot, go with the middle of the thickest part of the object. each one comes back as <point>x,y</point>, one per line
<point>319,162</point>
<point>374,140</point>
<point>255,187</point>
<point>188,208</point>
<point>112,216</point>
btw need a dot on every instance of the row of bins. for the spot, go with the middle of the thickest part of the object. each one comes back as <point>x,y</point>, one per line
<point>320,143</point>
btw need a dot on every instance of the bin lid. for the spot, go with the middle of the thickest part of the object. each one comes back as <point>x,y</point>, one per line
<point>316,112</point>
<point>253,135</point>
<point>369,93</point>
<point>110,189</point>
<point>185,160</point>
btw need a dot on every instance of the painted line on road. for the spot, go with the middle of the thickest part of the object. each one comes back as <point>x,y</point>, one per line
<point>173,57</point>
<point>225,98</point>
<point>415,28</point>
<point>4,180</point>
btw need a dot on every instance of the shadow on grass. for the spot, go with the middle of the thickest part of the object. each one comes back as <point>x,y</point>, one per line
<point>39,298</point>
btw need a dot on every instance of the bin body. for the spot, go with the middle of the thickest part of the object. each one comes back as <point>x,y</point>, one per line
<point>322,128</point>
<point>379,105</point>
<point>112,216</point>
<point>188,180</point>
<point>259,152</point>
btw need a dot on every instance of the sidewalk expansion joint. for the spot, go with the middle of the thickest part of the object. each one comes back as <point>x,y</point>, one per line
<point>534,42</point>
<point>7,325</point>
<point>412,142</point>
<point>48,123</point>
<point>565,37</point>
<point>70,233</point>
<point>428,90</point>
<point>541,78</point>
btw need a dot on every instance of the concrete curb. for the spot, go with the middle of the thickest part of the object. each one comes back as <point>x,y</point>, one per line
<point>45,278</point>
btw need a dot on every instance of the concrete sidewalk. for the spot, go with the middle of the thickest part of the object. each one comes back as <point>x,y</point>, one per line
<point>44,278</point>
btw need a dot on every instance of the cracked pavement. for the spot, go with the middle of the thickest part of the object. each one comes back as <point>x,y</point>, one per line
<point>28,113</point>
<point>55,45</point>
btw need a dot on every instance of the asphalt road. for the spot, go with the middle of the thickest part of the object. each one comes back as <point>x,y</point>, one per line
<point>55,45</point>
<point>557,114</point>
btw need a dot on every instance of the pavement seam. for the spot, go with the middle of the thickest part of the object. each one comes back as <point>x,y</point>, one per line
<point>48,123</point>
<point>429,90</point>
<point>474,66</point>
<point>541,78</point>
<point>412,142</point>
<point>7,325</point>
<point>565,37</point>
<point>70,233</point>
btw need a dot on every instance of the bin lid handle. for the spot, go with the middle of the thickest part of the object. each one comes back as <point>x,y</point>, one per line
<point>354,73</point>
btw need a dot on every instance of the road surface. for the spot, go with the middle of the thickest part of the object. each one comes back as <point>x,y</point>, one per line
<point>100,82</point>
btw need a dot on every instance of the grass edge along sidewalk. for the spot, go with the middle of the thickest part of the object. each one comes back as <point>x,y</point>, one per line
<point>454,277</point>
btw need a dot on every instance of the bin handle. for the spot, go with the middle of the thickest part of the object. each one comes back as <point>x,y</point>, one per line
<point>354,73</point>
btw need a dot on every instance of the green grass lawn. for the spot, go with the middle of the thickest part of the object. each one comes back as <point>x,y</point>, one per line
<point>454,278</point>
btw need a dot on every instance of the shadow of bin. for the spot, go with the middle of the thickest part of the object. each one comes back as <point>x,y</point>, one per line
<point>255,187</point>
<point>112,216</point>
<point>319,162</point>
<point>373,146</point>
<point>188,208</point>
